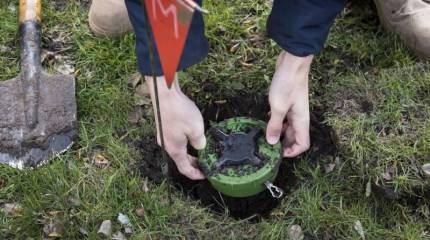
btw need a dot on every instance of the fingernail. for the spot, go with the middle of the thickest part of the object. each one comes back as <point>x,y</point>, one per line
<point>201,144</point>
<point>272,140</point>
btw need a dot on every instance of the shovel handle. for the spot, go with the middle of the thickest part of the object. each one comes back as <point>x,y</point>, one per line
<point>30,10</point>
<point>30,32</point>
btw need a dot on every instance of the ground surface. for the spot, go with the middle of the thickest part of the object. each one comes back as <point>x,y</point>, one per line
<point>370,101</point>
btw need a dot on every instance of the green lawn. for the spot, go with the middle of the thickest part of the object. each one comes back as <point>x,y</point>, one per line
<point>370,88</point>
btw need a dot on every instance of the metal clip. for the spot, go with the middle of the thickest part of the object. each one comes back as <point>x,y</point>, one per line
<point>195,6</point>
<point>274,190</point>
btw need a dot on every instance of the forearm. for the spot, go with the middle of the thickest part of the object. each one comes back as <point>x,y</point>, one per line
<point>292,75</point>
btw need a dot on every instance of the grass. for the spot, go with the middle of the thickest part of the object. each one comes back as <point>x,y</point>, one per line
<point>392,135</point>
<point>373,91</point>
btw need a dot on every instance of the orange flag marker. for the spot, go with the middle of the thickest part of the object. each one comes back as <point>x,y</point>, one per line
<point>170,21</point>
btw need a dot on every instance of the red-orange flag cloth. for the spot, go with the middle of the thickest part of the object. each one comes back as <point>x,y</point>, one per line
<point>170,21</point>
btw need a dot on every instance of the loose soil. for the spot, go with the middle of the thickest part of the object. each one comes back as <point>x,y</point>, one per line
<point>260,205</point>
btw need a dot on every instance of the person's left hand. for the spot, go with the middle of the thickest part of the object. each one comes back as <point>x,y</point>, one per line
<point>182,123</point>
<point>289,103</point>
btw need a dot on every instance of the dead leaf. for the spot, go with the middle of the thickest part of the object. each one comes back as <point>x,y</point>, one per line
<point>368,188</point>
<point>83,231</point>
<point>105,229</point>
<point>388,174</point>
<point>75,201</point>
<point>128,231</point>
<point>140,212</point>
<point>278,213</point>
<point>12,209</point>
<point>54,213</point>
<point>145,186</point>
<point>118,236</point>
<point>143,91</point>
<point>295,233</point>
<point>48,56</point>
<point>100,161</point>
<point>329,167</point>
<point>57,38</point>
<point>4,49</point>
<point>2,183</point>
<point>234,47</point>
<point>136,116</point>
<point>123,219</point>
<point>66,68</point>
<point>140,100</point>
<point>53,229</point>
<point>426,169</point>
<point>147,111</point>
<point>220,102</point>
<point>337,161</point>
<point>359,228</point>
<point>134,80</point>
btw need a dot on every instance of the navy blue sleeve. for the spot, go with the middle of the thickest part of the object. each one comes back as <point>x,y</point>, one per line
<point>301,27</point>
<point>196,46</point>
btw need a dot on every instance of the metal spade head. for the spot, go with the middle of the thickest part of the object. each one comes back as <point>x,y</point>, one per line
<point>37,110</point>
<point>24,146</point>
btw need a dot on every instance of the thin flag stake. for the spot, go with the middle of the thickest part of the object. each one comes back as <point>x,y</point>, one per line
<point>165,159</point>
<point>181,12</point>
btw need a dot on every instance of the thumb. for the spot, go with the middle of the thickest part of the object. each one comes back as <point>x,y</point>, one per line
<point>274,127</point>
<point>198,140</point>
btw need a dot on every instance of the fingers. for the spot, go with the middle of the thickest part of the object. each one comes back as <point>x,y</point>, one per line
<point>297,139</point>
<point>193,161</point>
<point>295,150</point>
<point>198,142</point>
<point>182,123</point>
<point>197,137</point>
<point>186,164</point>
<point>274,127</point>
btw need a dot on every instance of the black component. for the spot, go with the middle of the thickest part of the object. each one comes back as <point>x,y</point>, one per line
<point>238,148</point>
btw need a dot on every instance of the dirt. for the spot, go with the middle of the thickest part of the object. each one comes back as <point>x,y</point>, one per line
<point>260,205</point>
<point>151,165</point>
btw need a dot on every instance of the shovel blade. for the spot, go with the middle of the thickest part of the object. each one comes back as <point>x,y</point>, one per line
<point>22,146</point>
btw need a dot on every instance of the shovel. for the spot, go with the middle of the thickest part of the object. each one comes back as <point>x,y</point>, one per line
<point>37,110</point>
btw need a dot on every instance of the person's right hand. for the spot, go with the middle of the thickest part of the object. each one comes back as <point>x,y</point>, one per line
<point>289,104</point>
<point>182,122</point>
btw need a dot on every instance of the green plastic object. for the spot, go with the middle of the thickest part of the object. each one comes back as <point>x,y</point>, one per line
<point>246,179</point>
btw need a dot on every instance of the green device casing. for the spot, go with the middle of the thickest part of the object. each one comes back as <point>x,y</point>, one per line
<point>244,180</point>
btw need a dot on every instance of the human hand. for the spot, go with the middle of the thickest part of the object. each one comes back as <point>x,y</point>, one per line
<point>289,103</point>
<point>182,122</point>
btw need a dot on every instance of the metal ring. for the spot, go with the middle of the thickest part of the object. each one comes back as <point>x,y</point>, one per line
<point>274,190</point>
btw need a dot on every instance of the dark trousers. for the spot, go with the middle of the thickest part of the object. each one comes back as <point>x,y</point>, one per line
<point>300,27</point>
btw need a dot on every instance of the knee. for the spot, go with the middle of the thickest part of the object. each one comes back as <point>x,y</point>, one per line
<point>109,18</point>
